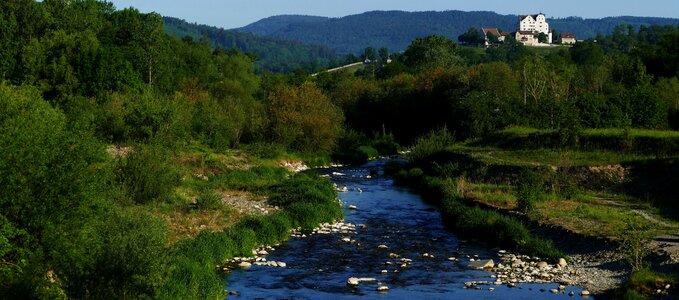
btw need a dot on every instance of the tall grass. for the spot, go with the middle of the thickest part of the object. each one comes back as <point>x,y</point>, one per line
<point>640,141</point>
<point>306,201</point>
<point>475,222</point>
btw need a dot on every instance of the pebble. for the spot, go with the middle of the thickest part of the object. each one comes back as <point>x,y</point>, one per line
<point>353,281</point>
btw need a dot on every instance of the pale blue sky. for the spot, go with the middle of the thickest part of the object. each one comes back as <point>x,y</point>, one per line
<point>238,13</point>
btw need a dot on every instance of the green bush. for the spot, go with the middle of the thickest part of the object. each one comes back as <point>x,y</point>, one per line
<point>385,144</point>
<point>529,189</point>
<point>431,143</point>
<point>116,254</point>
<point>303,188</point>
<point>147,175</point>
<point>269,229</point>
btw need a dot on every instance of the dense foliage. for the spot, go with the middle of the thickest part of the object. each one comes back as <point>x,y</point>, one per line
<point>78,75</point>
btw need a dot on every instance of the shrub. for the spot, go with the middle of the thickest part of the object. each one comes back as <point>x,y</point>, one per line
<point>385,144</point>
<point>368,152</point>
<point>117,254</point>
<point>147,175</point>
<point>431,143</point>
<point>529,189</point>
<point>303,188</point>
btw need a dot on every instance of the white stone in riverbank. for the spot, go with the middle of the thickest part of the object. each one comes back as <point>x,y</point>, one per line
<point>382,288</point>
<point>562,262</point>
<point>481,264</point>
<point>353,281</point>
<point>245,265</point>
<point>584,293</point>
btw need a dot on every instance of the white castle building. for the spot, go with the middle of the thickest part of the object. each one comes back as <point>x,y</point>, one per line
<point>530,27</point>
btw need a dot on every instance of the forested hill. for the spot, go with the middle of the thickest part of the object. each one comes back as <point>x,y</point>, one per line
<point>273,54</point>
<point>270,25</point>
<point>396,29</point>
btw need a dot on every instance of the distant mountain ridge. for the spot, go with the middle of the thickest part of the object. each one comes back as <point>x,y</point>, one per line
<point>274,54</point>
<point>268,26</point>
<point>396,29</point>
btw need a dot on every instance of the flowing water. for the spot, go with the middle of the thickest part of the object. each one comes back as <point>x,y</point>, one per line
<point>319,265</point>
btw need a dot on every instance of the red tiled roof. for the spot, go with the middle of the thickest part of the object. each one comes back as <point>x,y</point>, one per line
<point>492,31</point>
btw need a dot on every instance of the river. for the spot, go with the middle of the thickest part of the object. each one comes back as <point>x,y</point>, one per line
<point>319,265</point>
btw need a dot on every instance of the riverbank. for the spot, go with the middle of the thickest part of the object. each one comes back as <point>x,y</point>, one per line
<point>390,238</point>
<point>585,203</point>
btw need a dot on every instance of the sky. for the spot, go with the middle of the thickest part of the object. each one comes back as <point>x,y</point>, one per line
<point>238,13</point>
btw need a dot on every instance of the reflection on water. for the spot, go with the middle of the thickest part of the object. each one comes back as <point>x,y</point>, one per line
<point>318,266</point>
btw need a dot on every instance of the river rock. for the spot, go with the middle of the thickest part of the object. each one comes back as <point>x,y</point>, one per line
<point>481,264</point>
<point>562,287</point>
<point>393,255</point>
<point>262,252</point>
<point>353,281</point>
<point>233,293</point>
<point>571,293</point>
<point>382,288</point>
<point>562,262</point>
<point>584,293</point>
<point>282,264</point>
<point>383,247</point>
<point>245,265</point>
<point>353,207</point>
<point>542,265</point>
<point>554,291</point>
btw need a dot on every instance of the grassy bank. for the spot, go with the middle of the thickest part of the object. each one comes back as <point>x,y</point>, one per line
<point>472,221</point>
<point>612,183</point>
<point>305,201</point>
